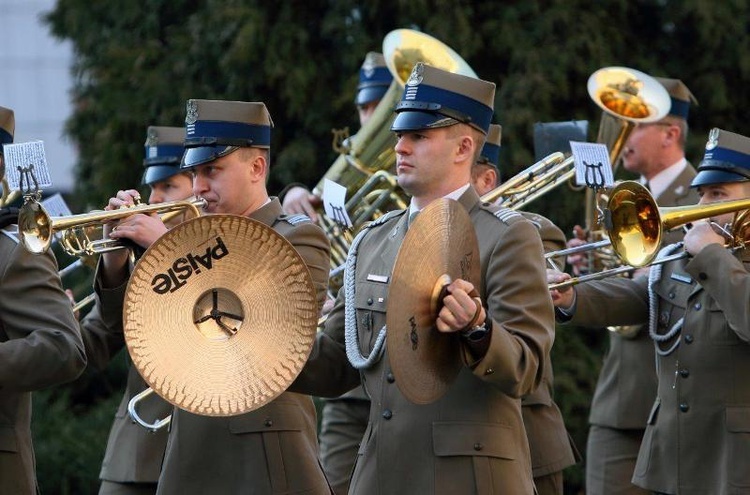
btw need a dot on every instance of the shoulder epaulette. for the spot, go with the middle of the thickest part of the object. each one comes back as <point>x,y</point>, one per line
<point>534,219</point>
<point>506,215</point>
<point>385,218</point>
<point>296,219</point>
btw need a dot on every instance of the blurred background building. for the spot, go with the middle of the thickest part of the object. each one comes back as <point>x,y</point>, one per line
<point>35,81</point>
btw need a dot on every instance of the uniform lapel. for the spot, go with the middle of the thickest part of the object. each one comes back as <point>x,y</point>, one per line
<point>395,238</point>
<point>268,213</point>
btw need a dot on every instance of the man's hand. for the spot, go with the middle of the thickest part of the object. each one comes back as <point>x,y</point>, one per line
<point>141,229</point>
<point>300,200</point>
<point>701,235</point>
<point>579,261</point>
<point>460,309</point>
<point>562,298</point>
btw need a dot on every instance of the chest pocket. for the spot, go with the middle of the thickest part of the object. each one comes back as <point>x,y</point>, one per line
<point>473,439</point>
<point>370,302</point>
<point>673,298</point>
<point>704,318</point>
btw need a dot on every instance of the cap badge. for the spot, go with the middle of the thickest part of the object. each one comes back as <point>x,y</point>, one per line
<point>191,116</point>
<point>151,138</point>
<point>368,67</point>
<point>713,139</point>
<point>417,75</point>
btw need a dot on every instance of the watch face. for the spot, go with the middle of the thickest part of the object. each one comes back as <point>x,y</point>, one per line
<point>477,333</point>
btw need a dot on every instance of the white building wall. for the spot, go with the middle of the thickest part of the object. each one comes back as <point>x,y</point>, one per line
<point>35,82</point>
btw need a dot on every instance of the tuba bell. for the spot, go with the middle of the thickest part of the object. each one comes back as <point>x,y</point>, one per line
<point>367,158</point>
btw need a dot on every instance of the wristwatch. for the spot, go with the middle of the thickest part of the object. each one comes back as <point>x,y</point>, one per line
<point>476,333</point>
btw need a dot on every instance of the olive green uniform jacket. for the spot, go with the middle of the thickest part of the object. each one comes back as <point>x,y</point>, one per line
<point>697,437</point>
<point>472,439</point>
<point>133,454</point>
<point>552,449</point>
<point>626,386</point>
<point>271,450</point>
<point>40,346</point>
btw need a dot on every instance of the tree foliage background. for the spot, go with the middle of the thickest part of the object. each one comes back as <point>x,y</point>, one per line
<point>136,63</point>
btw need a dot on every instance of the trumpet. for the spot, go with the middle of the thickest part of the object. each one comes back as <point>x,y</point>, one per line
<point>133,412</point>
<point>37,228</point>
<point>635,226</point>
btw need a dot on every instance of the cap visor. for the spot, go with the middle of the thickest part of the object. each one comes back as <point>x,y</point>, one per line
<point>414,121</point>
<point>706,177</point>
<point>203,154</point>
<point>369,94</point>
<point>158,173</point>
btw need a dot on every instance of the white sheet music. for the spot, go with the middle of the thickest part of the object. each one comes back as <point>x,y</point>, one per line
<point>26,155</point>
<point>334,203</point>
<point>592,165</point>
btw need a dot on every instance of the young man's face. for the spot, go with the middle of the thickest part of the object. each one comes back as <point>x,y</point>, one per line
<point>226,184</point>
<point>174,188</point>
<point>424,159</point>
<point>727,191</point>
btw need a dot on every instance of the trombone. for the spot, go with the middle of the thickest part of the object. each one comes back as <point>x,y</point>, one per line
<point>635,226</point>
<point>37,228</point>
<point>534,181</point>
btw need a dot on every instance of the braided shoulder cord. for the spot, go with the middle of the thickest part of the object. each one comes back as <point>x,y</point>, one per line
<point>653,302</point>
<point>350,313</point>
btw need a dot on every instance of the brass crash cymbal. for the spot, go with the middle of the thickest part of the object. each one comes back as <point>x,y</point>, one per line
<point>440,246</point>
<point>220,315</point>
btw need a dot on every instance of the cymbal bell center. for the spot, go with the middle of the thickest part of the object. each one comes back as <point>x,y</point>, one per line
<point>218,314</point>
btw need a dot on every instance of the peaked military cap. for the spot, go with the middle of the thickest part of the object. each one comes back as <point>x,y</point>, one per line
<point>374,79</point>
<point>490,154</point>
<point>679,95</point>
<point>163,153</point>
<point>7,126</point>
<point>437,98</point>
<point>214,128</point>
<point>727,159</point>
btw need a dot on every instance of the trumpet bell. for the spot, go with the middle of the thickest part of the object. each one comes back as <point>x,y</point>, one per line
<point>629,94</point>
<point>34,228</point>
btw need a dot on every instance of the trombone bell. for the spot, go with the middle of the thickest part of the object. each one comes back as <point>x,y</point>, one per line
<point>636,224</point>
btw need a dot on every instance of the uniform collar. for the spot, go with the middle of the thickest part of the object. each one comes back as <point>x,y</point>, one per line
<point>455,195</point>
<point>661,181</point>
<point>269,212</point>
